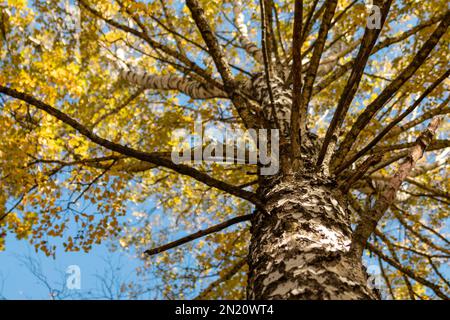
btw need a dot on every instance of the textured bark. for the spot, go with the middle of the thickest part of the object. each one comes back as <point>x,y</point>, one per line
<point>192,88</point>
<point>300,247</point>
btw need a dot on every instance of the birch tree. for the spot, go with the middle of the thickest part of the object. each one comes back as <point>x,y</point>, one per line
<point>93,90</point>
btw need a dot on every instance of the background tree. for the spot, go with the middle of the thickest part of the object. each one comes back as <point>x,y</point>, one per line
<point>92,92</point>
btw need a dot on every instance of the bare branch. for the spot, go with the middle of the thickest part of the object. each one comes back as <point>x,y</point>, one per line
<point>395,257</point>
<point>359,172</point>
<point>312,16</point>
<point>402,214</point>
<point>434,191</point>
<point>386,279</point>
<point>278,26</point>
<point>443,108</point>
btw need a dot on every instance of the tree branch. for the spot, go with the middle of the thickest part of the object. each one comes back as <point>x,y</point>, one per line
<point>298,117</point>
<point>198,234</point>
<point>231,87</point>
<point>140,155</point>
<point>155,45</point>
<point>370,220</point>
<point>330,8</point>
<point>192,88</point>
<point>244,39</point>
<point>267,60</point>
<point>381,45</point>
<point>225,277</point>
<point>436,289</point>
<point>443,108</point>
<point>368,113</point>
<point>386,130</point>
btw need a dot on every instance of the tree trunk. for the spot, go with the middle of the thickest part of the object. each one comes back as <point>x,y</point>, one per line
<point>300,246</point>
